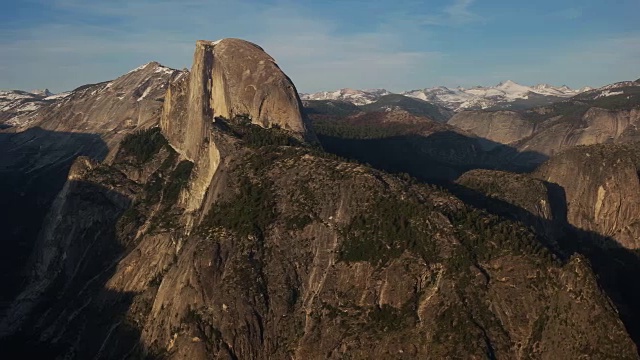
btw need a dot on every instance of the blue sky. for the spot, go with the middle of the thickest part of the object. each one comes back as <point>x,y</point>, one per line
<point>324,45</point>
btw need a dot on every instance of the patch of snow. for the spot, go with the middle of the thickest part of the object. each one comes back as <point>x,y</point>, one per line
<point>145,93</point>
<point>15,95</point>
<point>28,107</point>
<point>357,97</point>
<point>59,96</point>
<point>165,70</point>
<point>608,93</point>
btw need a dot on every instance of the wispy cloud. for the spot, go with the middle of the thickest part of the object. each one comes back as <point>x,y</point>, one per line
<point>312,50</point>
<point>319,57</point>
<point>397,46</point>
<point>457,13</point>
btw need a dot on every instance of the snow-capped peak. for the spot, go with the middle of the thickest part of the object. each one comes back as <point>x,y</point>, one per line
<point>507,84</point>
<point>155,66</point>
<point>140,67</point>
<point>513,89</point>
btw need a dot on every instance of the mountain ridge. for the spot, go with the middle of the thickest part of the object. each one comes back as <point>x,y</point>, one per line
<point>18,107</point>
<point>479,97</point>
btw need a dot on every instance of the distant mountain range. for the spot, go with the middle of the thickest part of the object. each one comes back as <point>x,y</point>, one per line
<point>505,95</point>
<point>18,102</point>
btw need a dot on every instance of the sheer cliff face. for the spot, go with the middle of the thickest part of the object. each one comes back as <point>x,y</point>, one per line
<point>602,189</point>
<point>594,126</point>
<point>553,129</point>
<point>229,78</point>
<point>504,127</point>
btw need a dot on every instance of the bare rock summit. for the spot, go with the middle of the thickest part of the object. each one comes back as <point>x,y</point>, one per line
<point>229,78</point>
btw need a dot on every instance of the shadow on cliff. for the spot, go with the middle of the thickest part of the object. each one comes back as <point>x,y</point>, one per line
<point>33,168</point>
<point>438,158</point>
<point>617,269</point>
<point>77,314</point>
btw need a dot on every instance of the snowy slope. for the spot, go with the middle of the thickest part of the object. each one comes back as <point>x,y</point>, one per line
<point>626,88</point>
<point>356,97</point>
<point>137,88</point>
<point>15,102</point>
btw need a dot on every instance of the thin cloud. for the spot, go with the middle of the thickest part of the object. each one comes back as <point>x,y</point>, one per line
<point>319,57</point>
<point>458,13</point>
<point>311,50</point>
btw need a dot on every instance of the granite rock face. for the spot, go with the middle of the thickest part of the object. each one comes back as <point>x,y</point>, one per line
<point>595,126</point>
<point>111,109</point>
<point>229,78</point>
<point>602,189</point>
<point>504,127</point>
<point>550,130</point>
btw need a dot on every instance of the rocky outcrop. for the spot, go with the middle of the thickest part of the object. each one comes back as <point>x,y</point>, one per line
<point>595,126</point>
<point>602,189</point>
<point>550,130</point>
<point>247,81</point>
<point>229,78</point>
<point>504,127</point>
